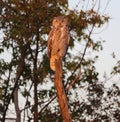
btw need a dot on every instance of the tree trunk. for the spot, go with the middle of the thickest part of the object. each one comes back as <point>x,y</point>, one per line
<point>36,79</point>
<point>19,72</point>
<point>61,92</point>
<point>16,103</point>
<point>35,97</point>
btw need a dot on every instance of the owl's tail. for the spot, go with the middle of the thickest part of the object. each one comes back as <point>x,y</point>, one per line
<point>52,62</point>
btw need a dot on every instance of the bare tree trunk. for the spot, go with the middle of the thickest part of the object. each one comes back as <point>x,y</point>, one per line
<point>36,79</point>
<point>16,103</point>
<point>19,72</point>
<point>35,97</point>
<point>61,92</point>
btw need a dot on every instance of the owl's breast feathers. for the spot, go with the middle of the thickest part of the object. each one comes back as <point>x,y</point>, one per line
<point>64,41</point>
<point>58,41</point>
<point>53,41</point>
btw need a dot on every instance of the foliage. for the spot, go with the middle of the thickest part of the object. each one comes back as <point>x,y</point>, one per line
<point>26,24</point>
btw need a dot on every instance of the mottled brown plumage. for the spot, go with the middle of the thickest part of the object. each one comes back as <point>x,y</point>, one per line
<point>58,40</point>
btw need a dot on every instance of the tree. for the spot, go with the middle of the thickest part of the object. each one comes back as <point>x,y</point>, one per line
<point>27,75</point>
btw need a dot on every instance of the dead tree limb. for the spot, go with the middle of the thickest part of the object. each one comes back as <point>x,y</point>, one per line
<point>61,92</point>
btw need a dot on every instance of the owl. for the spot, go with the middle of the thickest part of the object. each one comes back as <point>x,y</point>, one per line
<point>58,40</point>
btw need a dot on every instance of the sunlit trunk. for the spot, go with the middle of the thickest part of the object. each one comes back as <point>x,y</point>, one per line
<point>61,92</point>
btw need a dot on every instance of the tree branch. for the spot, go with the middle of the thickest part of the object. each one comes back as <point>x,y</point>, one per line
<point>79,64</point>
<point>19,72</point>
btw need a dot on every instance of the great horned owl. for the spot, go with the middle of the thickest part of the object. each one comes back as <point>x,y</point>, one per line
<point>58,40</point>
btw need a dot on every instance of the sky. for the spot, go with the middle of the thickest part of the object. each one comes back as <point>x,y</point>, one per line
<point>110,35</point>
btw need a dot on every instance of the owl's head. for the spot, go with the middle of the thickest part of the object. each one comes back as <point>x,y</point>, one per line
<point>60,21</point>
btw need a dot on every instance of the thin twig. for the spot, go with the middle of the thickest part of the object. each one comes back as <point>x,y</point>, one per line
<point>54,97</point>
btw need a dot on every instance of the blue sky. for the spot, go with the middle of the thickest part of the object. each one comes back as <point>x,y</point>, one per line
<point>110,35</point>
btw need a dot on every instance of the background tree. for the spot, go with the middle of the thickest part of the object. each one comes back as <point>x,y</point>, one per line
<point>26,78</point>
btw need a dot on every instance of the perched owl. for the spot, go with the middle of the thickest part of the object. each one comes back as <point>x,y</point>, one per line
<point>58,40</point>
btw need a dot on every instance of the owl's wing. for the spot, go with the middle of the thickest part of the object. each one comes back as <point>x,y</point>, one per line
<point>64,42</point>
<point>68,40</point>
<point>49,44</point>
